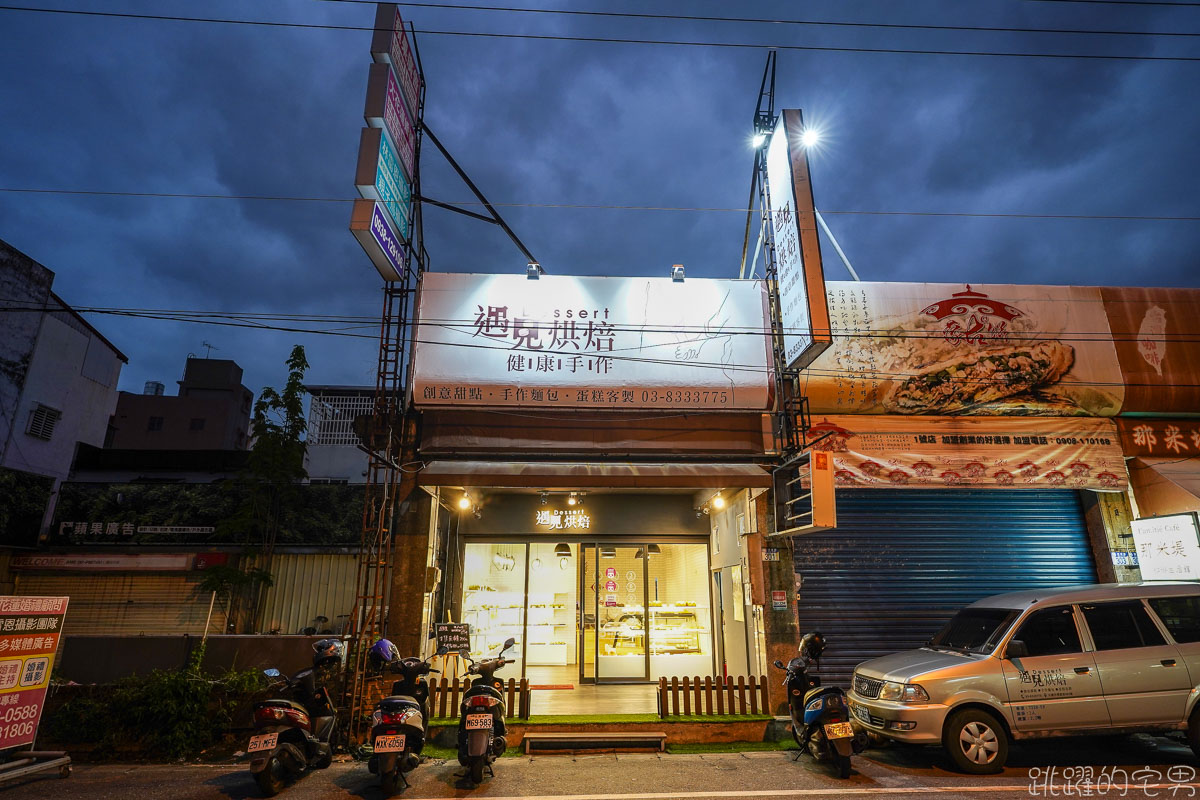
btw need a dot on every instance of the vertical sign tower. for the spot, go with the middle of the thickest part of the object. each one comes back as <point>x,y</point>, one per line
<point>387,224</point>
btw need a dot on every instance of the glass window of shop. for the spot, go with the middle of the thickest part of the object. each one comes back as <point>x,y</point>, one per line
<point>579,611</point>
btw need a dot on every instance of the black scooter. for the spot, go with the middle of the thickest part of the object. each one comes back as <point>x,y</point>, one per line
<point>400,723</point>
<point>481,727</point>
<point>820,716</point>
<point>291,732</point>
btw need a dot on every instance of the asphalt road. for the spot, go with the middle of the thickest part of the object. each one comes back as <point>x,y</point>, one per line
<point>1117,767</point>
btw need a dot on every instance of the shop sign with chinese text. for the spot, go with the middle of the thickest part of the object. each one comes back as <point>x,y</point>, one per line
<point>386,109</point>
<point>555,520</point>
<point>389,45</point>
<point>372,227</point>
<point>802,306</point>
<point>30,628</point>
<point>1168,548</point>
<point>584,342</point>
<point>968,452</point>
<point>379,177</point>
<point>1166,438</point>
<point>965,349</point>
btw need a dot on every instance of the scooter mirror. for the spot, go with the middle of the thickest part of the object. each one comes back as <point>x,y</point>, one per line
<point>509,642</point>
<point>271,673</point>
<point>441,651</point>
<point>779,663</point>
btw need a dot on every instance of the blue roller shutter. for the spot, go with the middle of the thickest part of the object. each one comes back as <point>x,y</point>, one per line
<point>902,562</point>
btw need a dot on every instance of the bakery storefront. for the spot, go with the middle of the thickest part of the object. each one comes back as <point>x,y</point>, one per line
<point>594,587</point>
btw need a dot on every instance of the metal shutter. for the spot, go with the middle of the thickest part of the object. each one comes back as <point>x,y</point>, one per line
<point>128,603</point>
<point>902,562</point>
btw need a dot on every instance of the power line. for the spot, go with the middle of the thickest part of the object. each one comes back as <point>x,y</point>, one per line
<point>1165,3</point>
<point>609,207</point>
<point>606,40</point>
<point>770,21</point>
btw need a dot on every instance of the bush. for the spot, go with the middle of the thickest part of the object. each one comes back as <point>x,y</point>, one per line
<point>167,713</point>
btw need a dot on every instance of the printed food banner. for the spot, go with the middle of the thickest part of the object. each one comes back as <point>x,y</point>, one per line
<point>938,348</point>
<point>30,628</point>
<point>1157,336</point>
<point>937,452</point>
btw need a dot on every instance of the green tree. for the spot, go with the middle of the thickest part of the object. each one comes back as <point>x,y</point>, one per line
<point>270,484</point>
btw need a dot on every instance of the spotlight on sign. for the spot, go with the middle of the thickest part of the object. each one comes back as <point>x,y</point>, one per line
<point>718,501</point>
<point>677,273</point>
<point>464,502</point>
<point>811,137</point>
<point>533,270</point>
<point>571,500</point>
<point>759,140</point>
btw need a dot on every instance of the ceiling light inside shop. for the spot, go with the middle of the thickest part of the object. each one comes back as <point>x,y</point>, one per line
<point>562,549</point>
<point>608,552</point>
<point>564,562</point>
<point>654,550</point>
<point>536,565</point>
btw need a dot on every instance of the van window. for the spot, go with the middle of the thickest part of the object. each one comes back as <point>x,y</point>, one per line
<point>1050,632</point>
<point>1181,615</point>
<point>975,630</point>
<point>1115,626</point>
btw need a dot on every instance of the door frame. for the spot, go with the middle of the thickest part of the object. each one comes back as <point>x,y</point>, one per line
<point>596,677</point>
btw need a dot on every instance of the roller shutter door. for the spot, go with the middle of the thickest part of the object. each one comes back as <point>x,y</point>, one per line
<point>128,603</point>
<point>902,562</point>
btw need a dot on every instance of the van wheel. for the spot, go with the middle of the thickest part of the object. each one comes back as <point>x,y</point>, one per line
<point>1193,732</point>
<point>976,742</point>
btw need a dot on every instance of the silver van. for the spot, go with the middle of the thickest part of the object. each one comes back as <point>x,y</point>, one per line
<point>1113,658</point>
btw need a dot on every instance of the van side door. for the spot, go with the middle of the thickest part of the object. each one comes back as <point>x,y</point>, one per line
<point>1143,678</point>
<point>1181,617</point>
<point>1055,686</point>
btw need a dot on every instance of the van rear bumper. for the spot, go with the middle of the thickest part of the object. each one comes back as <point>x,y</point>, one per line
<point>904,722</point>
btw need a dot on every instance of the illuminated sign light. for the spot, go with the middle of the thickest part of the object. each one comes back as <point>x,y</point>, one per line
<point>563,520</point>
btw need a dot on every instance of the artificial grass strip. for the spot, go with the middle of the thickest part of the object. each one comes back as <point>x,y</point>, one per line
<point>730,747</point>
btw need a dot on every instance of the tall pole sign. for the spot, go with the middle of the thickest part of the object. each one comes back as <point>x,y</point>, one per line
<point>803,308</point>
<point>382,221</point>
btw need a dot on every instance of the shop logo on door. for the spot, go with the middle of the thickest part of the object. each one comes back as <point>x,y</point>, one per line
<point>972,317</point>
<point>563,520</point>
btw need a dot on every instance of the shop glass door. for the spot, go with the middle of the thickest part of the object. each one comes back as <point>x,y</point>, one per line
<point>622,654</point>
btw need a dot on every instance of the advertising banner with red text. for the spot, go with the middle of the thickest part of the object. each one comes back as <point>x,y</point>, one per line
<point>30,628</point>
<point>972,452</point>
<point>943,348</point>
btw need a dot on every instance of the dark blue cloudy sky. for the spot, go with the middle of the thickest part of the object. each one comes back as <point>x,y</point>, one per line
<point>149,106</point>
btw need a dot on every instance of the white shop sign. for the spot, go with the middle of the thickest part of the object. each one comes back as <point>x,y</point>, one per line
<point>583,342</point>
<point>1168,548</point>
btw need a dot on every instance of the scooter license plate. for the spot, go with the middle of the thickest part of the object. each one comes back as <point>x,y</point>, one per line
<point>390,744</point>
<point>264,741</point>
<point>839,730</point>
<point>479,722</point>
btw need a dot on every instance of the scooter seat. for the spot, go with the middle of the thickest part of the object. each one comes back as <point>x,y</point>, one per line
<point>401,699</point>
<point>281,703</point>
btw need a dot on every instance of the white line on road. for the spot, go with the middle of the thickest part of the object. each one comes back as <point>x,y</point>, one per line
<point>1026,789</point>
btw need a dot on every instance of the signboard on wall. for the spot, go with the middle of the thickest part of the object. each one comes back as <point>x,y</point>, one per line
<point>157,562</point>
<point>966,452</point>
<point>1168,548</point>
<point>802,306</point>
<point>30,628</point>
<point>584,342</point>
<point>966,349</point>
<point>385,108</point>
<point>389,45</point>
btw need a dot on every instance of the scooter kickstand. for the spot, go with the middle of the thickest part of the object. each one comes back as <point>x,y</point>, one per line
<point>491,771</point>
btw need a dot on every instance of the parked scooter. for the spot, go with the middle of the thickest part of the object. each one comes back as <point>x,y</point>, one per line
<point>292,732</point>
<point>401,721</point>
<point>481,728</point>
<point>820,715</point>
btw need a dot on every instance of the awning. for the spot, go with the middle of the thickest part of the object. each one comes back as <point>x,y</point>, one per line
<point>1164,486</point>
<point>567,475</point>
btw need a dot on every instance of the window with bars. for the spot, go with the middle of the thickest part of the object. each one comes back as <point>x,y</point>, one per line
<point>154,424</point>
<point>42,421</point>
<point>331,418</point>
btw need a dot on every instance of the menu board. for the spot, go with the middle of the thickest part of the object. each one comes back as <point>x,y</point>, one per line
<point>454,636</point>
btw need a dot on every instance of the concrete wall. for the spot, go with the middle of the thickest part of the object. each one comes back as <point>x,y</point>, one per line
<point>24,283</point>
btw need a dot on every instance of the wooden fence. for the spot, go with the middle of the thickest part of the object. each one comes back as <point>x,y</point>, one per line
<point>445,694</point>
<point>708,696</point>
